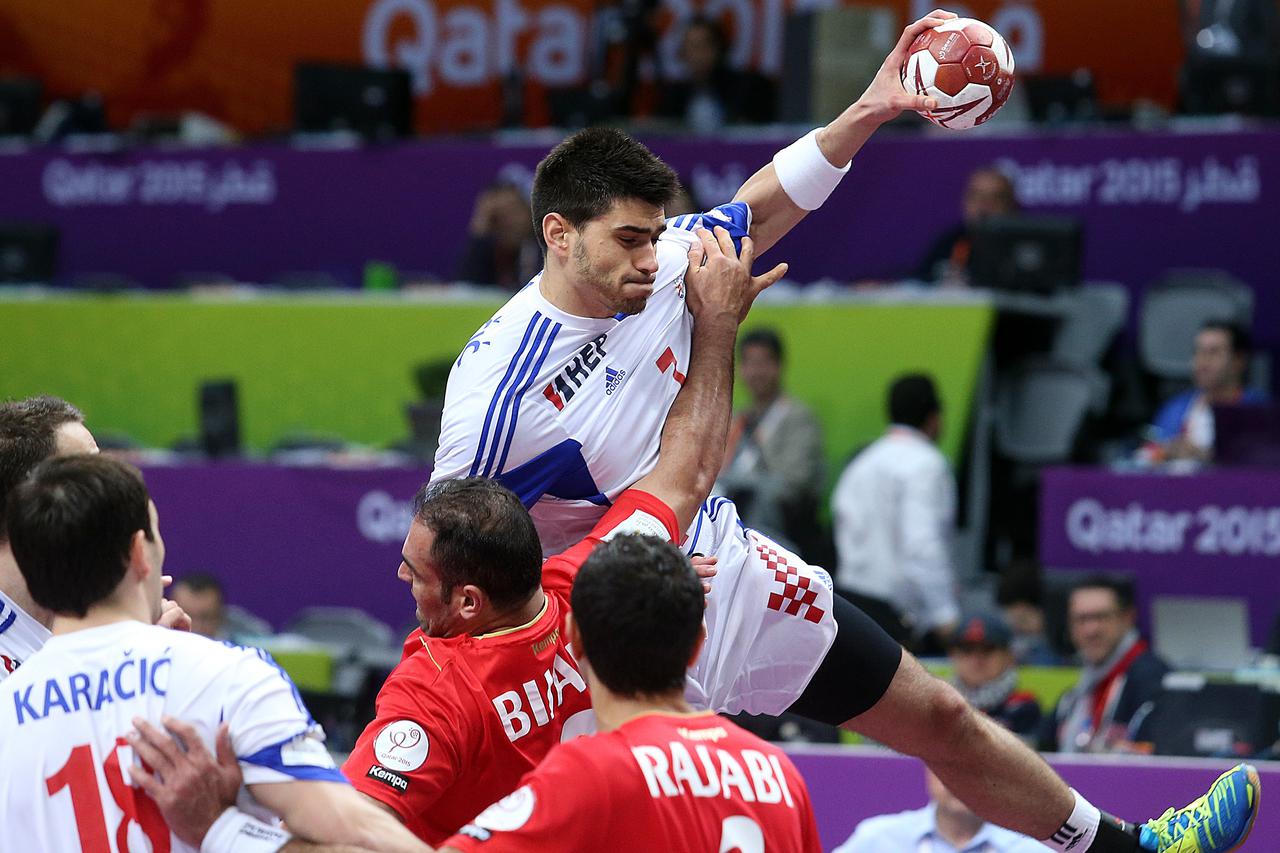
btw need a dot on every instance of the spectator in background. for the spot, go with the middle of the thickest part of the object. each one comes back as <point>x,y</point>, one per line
<point>945,825</point>
<point>990,192</point>
<point>714,94</point>
<point>501,248</point>
<point>1020,595</point>
<point>894,510</point>
<point>774,468</point>
<point>986,674</point>
<point>200,594</point>
<point>1184,425</point>
<point>1121,677</point>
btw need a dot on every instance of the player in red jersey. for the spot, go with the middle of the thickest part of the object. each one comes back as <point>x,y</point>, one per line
<point>488,685</point>
<point>659,777</point>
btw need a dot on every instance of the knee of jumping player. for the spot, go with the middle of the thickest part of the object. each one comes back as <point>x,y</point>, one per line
<point>951,721</point>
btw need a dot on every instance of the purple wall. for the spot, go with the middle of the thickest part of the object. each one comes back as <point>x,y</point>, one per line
<point>848,785</point>
<point>1150,201</point>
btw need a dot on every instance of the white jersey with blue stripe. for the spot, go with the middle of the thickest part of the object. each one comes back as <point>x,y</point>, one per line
<point>21,636</point>
<point>64,715</point>
<point>567,411</point>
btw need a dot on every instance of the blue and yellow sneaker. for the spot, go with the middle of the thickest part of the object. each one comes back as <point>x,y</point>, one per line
<point>1216,823</point>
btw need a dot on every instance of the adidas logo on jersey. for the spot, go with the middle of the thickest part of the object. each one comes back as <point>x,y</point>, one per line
<point>565,384</point>
<point>612,379</point>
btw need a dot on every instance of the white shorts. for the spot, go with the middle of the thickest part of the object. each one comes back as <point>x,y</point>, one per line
<point>769,618</point>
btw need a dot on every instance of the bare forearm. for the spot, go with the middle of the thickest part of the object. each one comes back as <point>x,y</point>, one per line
<point>773,213</point>
<point>693,437</point>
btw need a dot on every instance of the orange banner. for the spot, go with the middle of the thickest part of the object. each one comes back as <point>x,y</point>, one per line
<point>233,59</point>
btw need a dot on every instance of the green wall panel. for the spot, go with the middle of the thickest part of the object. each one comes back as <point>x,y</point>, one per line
<point>342,365</point>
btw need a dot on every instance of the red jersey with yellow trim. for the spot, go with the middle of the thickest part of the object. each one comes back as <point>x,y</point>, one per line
<point>660,782</point>
<point>461,719</point>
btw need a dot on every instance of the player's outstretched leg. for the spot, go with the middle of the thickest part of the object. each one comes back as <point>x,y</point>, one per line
<point>1216,823</point>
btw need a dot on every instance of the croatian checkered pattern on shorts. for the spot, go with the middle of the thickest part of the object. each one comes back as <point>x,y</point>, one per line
<point>796,598</point>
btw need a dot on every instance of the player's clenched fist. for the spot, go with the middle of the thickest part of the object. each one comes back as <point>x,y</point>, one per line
<point>719,280</point>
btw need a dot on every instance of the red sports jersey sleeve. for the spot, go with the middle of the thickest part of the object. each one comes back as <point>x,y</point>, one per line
<point>413,751</point>
<point>634,511</point>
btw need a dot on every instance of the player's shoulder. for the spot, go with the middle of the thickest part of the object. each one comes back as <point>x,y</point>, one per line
<point>505,333</point>
<point>437,674</point>
<point>734,216</point>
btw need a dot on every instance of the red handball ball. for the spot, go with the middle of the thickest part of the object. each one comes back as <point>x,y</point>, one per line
<point>966,65</point>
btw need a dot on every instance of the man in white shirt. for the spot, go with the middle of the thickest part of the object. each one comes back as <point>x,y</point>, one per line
<point>893,510</point>
<point>945,825</point>
<point>87,541</point>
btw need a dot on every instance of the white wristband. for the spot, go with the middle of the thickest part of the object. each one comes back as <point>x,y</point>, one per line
<point>236,832</point>
<point>1079,830</point>
<point>807,177</point>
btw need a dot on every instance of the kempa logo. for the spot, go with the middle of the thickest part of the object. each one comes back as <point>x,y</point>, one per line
<point>613,379</point>
<point>386,777</point>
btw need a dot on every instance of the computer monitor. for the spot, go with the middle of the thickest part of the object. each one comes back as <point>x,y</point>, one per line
<point>1035,254</point>
<point>20,100</point>
<point>375,103</point>
<point>1057,99</point>
<point>28,252</point>
<point>1195,716</point>
<point>1247,435</point>
<point>1197,632</point>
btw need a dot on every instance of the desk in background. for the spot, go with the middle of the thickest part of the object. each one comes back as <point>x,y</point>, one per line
<point>1213,533</point>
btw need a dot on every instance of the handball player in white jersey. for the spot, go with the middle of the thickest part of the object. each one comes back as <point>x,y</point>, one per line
<point>562,394</point>
<point>31,431</point>
<point>87,540</point>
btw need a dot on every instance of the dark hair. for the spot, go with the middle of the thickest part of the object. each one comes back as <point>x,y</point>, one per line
<point>763,337</point>
<point>28,436</point>
<point>71,525</point>
<point>1121,587</point>
<point>638,605</point>
<point>199,582</point>
<point>483,536</point>
<point>1020,583</point>
<point>1241,340</point>
<point>586,174</point>
<point>912,399</point>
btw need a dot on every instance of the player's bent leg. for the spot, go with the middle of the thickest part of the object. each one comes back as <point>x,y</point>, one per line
<point>856,671</point>
<point>986,766</point>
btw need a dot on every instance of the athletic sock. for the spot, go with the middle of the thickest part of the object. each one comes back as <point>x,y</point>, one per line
<point>1078,831</point>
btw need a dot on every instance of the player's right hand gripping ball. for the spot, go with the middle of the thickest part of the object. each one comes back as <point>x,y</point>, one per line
<point>966,65</point>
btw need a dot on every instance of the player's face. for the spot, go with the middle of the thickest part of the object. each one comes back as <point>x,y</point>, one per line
<point>979,665</point>
<point>1213,365</point>
<point>615,256</point>
<point>1097,623</point>
<point>435,612</point>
